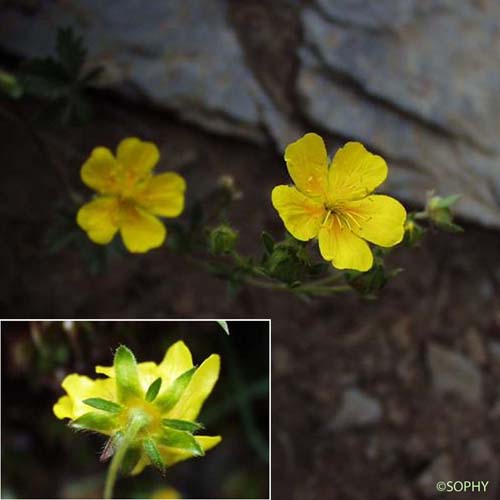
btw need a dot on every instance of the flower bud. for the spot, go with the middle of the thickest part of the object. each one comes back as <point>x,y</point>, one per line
<point>413,232</point>
<point>439,211</point>
<point>222,240</point>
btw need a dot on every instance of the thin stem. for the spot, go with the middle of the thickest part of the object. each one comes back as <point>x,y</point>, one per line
<point>312,287</point>
<point>137,421</point>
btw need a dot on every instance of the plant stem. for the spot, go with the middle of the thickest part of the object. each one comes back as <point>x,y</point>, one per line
<point>318,287</point>
<point>137,421</point>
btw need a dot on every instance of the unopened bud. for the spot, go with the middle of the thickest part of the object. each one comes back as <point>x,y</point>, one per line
<point>222,240</point>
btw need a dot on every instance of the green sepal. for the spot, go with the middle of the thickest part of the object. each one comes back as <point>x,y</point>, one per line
<point>127,376</point>
<point>446,202</point>
<point>104,405</point>
<point>414,232</point>
<point>153,390</point>
<point>182,425</point>
<point>170,398</point>
<point>182,441</point>
<point>132,456</point>
<point>153,453</point>
<point>94,421</point>
<point>223,325</point>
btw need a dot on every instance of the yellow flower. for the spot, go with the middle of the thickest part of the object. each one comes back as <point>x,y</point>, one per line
<point>169,397</point>
<point>129,196</point>
<point>167,492</point>
<point>334,203</point>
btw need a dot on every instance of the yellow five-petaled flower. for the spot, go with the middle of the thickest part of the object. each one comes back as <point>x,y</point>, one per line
<point>334,202</point>
<point>130,197</point>
<point>168,396</point>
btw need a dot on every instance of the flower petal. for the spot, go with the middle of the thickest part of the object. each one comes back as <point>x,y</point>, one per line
<point>301,215</point>
<point>177,360</point>
<point>143,462</point>
<point>106,370</point>
<point>340,245</point>
<point>354,173</point>
<point>63,408</point>
<point>137,157</point>
<point>99,219</point>
<point>80,387</point>
<point>378,218</point>
<point>307,164</point>
<point>198,389</point>
<point>163,195</point>
<point>101,171</point>
<point>140,230</point>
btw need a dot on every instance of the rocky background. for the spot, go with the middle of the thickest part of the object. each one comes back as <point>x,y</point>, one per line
<point>416,80</point>
<point>371,400</point>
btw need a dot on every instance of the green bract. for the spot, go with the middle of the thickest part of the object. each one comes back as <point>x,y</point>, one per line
<point>147,410</point>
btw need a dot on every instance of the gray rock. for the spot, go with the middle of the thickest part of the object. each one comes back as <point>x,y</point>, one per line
<point>454,374</point>
<point>357,409</point>
<point>441,469</point>
<point>181,55</point>
<point>400,83</point>
<point>412,94</point>
<point>373,15</point>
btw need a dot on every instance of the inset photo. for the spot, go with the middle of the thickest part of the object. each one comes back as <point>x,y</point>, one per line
<point>136,409</point>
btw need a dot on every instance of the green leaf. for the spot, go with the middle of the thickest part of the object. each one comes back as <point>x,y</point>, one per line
<point>446,202</point>
<point>9,85</point>
<point>224,325</point>
<point>104,404</point>
<point>127,376</point>
<point>132,456</point>
<point>182,425</point>
<point>170,398</point>
<point>153,390</point>
<point>153,453</point>
<point>182,441</point>
<point>71,51</point>
<point>268,241</point>
<point>94,421</point>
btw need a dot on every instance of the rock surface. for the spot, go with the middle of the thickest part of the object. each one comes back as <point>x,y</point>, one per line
<point>454,374</point>
<point>420,86</point>
<point>357,409</point>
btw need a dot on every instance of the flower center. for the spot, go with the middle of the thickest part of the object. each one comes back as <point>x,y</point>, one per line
<point>150,412</point>
<point>343,217</point>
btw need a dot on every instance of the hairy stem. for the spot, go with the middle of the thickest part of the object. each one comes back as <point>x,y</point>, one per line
<point>137,421</point>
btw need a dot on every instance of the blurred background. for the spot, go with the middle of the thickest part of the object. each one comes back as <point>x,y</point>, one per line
<point>374,400</point>
<point>43,458</point>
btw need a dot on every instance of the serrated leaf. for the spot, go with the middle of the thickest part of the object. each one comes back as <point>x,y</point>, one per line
<point>127,376</point>
<point>182,425</point>
<point>268,241</point>
<point>92,76</point>
<point>153,453</point>
<point>104,404</point>
<point>224,325</point>
<point>153,390</point>
<point>181,441</point>
<point>170,398</point>
<point>9,85</point>
<point>71,51</point>
<point>132,456</point>
<point>94,421</point>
